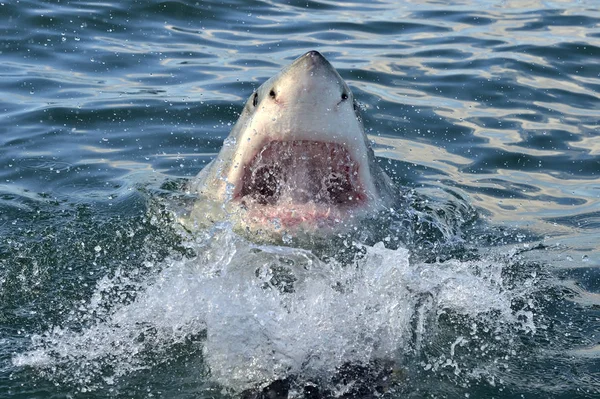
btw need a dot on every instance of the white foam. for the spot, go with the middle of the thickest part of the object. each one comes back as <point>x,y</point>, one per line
<point>267,312</point>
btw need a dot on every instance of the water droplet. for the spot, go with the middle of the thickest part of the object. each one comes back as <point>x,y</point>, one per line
<point>286,238</point>
<point>276,223</point>
<point>229,141</point>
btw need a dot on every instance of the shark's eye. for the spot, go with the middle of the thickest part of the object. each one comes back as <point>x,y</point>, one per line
<point>255,99</point>
<point>344,96</point>
<point>272,93</point>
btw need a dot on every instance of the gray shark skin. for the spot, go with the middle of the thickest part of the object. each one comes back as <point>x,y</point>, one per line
<point>297,161</point>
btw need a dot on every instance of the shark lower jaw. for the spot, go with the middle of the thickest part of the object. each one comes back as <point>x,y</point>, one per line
<point>301,184</point>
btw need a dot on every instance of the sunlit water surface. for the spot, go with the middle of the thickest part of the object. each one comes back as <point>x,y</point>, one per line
<point>482,281</point>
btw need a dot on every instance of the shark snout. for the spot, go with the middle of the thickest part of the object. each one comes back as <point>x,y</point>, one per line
<point>311,79</point>
<point>314,58</point>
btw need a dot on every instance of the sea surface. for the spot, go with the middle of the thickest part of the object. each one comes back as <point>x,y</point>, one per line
<point>484,280</point>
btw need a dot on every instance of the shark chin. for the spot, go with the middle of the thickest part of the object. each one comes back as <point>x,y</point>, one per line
<point>297,162</point>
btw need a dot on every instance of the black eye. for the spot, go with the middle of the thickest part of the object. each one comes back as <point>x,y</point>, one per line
<point>344,96</point>
<point>272,93</point>
<point>255,99</point>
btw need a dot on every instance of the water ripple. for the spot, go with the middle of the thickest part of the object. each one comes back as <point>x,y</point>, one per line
<point>497,102</point>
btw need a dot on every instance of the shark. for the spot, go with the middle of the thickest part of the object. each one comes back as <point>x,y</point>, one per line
<point>297,161</point>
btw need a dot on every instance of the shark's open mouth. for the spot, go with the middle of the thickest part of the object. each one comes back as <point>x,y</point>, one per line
<point>310,180</point>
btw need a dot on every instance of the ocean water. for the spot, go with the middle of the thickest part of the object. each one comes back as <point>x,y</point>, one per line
<point>483,281</point>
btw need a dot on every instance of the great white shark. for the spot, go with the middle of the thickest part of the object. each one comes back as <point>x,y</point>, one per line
<point>297,161</point>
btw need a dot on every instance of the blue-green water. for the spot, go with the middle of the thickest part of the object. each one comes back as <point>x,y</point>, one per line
<point>486,284</point>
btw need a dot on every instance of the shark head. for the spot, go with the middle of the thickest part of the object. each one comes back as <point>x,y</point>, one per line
<point>298,157</point>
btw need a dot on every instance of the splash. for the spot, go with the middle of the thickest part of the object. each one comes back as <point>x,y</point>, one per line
<point>256,314</point>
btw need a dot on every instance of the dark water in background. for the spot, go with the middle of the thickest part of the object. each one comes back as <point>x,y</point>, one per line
<point>106,106</point>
